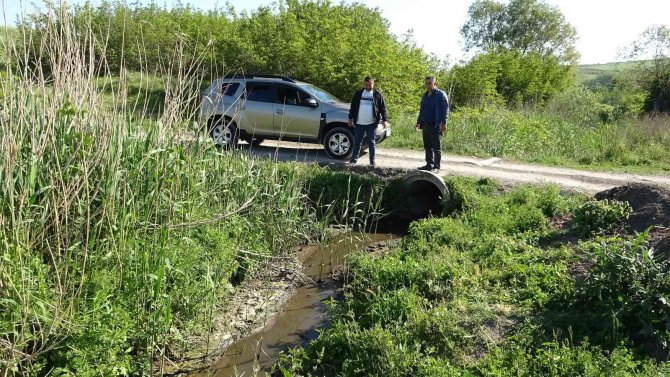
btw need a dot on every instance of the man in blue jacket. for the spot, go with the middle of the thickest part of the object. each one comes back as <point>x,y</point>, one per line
<point>432,121</point>
<point>368,109</point>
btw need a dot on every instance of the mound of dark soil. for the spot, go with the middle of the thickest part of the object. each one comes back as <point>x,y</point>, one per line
<point>651,206</point>
<point>650,203</point>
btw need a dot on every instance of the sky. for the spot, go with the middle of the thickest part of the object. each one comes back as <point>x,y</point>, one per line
<point>604,27</point>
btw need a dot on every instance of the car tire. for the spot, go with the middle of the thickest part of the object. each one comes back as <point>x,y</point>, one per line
<point>224,133</point>
<point>339,143</point>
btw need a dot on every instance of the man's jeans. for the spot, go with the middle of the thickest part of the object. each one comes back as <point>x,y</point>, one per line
<point>432,143</point>
<point>359,131</point>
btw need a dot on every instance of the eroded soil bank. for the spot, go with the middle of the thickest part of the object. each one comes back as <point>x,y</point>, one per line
<point>302,314</point>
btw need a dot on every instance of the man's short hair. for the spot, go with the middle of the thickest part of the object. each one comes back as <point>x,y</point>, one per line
<point>431,78</point>
<point>368,78</point>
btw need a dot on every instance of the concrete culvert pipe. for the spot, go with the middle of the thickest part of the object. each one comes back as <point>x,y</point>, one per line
<point>426,194</point>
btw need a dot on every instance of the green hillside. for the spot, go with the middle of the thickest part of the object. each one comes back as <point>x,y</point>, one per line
<point>589,72</point>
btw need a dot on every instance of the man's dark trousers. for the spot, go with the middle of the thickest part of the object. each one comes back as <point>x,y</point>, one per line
<point>432,143</point>
<point>361,130</point>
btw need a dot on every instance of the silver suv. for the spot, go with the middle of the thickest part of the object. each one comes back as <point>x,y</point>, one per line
<point>259,107</point>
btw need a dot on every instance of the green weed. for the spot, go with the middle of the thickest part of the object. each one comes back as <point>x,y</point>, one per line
<point>475,294</point>
<point>598,216</point>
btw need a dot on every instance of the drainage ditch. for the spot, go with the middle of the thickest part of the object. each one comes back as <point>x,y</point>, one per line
<point>304,313</point>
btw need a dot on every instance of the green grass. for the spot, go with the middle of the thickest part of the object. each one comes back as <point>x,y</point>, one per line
<point>489,291</point>
<point>639,145</point>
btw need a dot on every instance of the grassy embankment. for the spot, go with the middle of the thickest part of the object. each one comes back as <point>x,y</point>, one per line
<point>494,289</point>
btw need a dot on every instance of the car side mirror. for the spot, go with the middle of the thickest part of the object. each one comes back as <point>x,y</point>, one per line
<point>311,102</point>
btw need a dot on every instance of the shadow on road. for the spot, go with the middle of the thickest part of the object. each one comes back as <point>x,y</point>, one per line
<point>298,152</point>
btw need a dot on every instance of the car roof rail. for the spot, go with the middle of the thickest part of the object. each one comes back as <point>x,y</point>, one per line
<point>257,76</point>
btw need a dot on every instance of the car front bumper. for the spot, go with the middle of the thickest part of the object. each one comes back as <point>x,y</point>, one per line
<point>381,133</point>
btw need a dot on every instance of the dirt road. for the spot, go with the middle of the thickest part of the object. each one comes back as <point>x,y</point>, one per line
<point>507,172</point>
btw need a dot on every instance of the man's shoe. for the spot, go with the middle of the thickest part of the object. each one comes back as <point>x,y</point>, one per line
<point>426,168</point>
<point>372,164</point>
<point>353,161</point>
<point>435,170</point>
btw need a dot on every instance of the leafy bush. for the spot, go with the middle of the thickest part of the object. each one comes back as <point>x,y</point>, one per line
<point>347,350</point>
<point>583,107</point>
<point>370,276</point>
<point>630,287</point>
<point>560,359</point>
<point>597,216</point>
<point>509,78</point>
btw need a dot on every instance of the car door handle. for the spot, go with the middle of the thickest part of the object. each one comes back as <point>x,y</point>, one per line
<point>279,111</point>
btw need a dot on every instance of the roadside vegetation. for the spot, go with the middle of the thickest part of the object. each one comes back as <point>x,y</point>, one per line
<point>120,240</point>
<point>505,285</point>
<point>567,135</point>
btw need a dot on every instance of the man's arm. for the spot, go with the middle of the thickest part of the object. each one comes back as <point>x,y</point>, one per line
<point>444,108</point>
<point>444,112</point>
<point>351,108</point>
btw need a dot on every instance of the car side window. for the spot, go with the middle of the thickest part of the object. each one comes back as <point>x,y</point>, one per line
<point>229,89</point>
<point>261,93</point>
<point>291,96</point>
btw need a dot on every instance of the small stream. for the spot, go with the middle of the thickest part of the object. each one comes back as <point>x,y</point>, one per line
<point>301,316</point>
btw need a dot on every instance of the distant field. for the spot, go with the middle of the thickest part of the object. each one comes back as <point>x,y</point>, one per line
<point>591,71</point>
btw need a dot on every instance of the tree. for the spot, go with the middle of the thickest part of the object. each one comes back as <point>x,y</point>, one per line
<point>527,44</point>
<point>507,77</point>
<point>654,74</point>
<point>525,26</point>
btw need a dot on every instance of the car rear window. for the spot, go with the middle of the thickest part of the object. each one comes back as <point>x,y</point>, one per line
<point>261,93</point>
<point>230,88</point>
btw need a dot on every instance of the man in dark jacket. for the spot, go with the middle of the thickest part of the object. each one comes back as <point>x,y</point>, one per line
<point>368,109</point>
<point>432,121</point>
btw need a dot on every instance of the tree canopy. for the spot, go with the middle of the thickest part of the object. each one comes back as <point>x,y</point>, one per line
<point>526,54</point>
<point>331,45</point>
<point>526,26</point>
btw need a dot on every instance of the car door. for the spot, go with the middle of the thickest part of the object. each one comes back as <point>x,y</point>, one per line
<point>293,117</point>
<point>257,110</point>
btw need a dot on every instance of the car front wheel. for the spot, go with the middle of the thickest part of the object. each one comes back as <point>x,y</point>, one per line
<point>339,143</point>
<point>224,133</point>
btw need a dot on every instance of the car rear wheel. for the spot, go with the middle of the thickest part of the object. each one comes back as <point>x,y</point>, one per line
<point>224,133</point>
<point>339,143</point>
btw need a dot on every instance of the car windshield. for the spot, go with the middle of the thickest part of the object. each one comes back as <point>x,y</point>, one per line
<point>321,94</point>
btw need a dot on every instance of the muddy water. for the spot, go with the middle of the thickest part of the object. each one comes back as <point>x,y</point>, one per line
<point>302,315</point>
